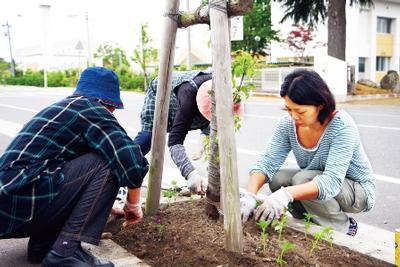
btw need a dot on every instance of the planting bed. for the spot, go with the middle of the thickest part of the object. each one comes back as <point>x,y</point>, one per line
<point>182,235</point>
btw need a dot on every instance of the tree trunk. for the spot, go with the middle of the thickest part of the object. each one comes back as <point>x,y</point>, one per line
<point>337,29</point>
<point>222,82</point>
<point>167,53</point>
<point>214,179</point>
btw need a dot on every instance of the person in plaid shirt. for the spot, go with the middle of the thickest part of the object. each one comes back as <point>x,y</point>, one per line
<point>60,175</point>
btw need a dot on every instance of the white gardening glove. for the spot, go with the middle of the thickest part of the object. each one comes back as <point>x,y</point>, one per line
<point>196,183</point>
<point>274,206</point>
<point>248,203</point>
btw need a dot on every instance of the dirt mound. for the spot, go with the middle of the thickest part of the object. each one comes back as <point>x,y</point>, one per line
<point>182,235</point>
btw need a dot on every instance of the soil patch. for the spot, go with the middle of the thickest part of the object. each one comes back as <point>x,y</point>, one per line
<point>366,90</point>
<point>182,235</point>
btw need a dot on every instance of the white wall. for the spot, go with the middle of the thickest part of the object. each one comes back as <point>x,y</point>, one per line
<point>334,72</point>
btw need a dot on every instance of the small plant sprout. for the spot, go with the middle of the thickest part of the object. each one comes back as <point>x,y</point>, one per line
<point>308,222</point>
<point>325,234</point>
<point>171,192</point>
<point>160,227</point>
<point>279,225</point>
<point>329,235</point>
<point>285,247</point>
<point>263,224</point>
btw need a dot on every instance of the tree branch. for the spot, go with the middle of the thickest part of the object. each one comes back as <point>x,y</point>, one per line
<point>201,14</point>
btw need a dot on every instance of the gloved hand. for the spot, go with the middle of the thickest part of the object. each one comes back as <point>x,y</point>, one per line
<point>248,203</point>
<point>196,183</point>
<point>274,206</point>
<point>133,213</point>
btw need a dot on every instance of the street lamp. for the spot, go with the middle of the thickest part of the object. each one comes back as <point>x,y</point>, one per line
<point>45,7</point>
<point>7,33</point>
<point>89,50</point>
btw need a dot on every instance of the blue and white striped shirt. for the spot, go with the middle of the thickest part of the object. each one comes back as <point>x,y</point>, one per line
<point>339,154</point>
<point>31,167</point>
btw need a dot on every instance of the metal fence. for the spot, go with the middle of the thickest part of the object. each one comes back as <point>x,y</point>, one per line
<point>270,80</point>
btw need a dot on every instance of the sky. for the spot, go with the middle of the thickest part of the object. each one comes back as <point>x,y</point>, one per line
<point>116,21</point>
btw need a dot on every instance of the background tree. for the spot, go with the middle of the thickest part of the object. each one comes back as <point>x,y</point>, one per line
<point>299,40</point>
<point>313,12</point>
<point>144,53</point>
<point>4,70</point>
<point>257,29</point>
<point>112,57</point>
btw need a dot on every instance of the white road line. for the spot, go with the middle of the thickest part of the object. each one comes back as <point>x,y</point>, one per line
<point>9,129</point>
<point>262,116</point>
<point>246,115</point>
<point>378,127</point>
<point>358,125</point>
<point>20,108</point>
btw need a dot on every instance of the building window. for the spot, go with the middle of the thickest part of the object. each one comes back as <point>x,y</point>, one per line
<point>361,64</point>
<point>382,63</point>
<point>383,25</point>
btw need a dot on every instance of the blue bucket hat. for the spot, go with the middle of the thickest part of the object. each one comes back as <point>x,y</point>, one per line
<point>100,83</point>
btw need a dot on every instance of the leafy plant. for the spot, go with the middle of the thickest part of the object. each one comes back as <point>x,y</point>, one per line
<point>171,192</point>
<point>160,227</point>
<point>326,234</point>
<point>329,236</point>
<point>285,247</point>
<point>144,54</point>
<point>279,225</point>
<point>308,222</point>
<point>257,30</point>
<point>263,224</point>
<point>243,66</point>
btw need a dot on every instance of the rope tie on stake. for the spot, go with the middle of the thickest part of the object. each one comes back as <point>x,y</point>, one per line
<point>220,5</point>
<point>173,16</point>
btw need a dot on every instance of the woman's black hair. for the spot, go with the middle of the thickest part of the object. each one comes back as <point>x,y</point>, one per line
<point>306,87</point>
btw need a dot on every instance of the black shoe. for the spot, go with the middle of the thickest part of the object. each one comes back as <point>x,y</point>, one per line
<point>38,248</point>
<point>80,258</point>
<point>353,227</point>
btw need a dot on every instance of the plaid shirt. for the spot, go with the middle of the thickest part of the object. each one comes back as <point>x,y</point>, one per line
<point>147,115</point>
<point>31,167</point>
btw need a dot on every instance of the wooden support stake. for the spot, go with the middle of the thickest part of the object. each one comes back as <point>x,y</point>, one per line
<point>222,82</point>
<point>166,62</point>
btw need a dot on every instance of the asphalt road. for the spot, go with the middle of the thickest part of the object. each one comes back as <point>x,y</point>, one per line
<point>379,127</point>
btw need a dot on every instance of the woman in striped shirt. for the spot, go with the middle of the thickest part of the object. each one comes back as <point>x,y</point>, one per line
<point>334,175</point>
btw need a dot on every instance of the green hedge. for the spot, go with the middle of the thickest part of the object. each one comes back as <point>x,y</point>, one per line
<point>69,78</point>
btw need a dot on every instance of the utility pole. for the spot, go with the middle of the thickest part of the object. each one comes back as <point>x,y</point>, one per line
<point>7,33</point>
<point>89,50</point>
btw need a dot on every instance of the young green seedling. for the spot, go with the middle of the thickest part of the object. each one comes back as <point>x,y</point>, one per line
<point>329,235</point>
<point>171,192</point>
<point>160,227</point>
<point>308,222</point>
<point>279,225</point>
<point>258,203</point>
<point>285,247</point>
<point>325,234</point>
<point>263,224</point>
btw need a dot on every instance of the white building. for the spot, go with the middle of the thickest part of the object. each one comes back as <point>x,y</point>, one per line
<point>71,54</point>
<point>373,38</point>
